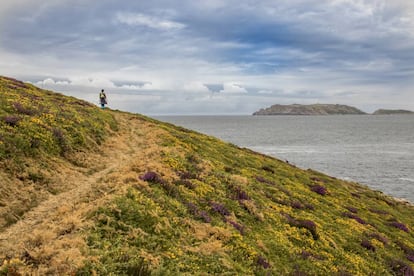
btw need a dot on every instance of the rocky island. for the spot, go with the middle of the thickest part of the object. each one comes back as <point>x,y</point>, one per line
<point>313,109</point>
<point>392,112</point>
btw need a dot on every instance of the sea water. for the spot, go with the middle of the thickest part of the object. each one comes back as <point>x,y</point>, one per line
<point>377,151</point>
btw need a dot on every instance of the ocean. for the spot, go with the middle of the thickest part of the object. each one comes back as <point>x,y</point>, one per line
<point>377,151</point>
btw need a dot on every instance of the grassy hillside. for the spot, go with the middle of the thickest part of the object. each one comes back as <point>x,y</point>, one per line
<point>169,201</point>
<point>38,130</point>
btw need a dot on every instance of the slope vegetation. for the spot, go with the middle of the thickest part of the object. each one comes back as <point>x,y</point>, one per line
<point>150,198</point>
<point>40,132</point>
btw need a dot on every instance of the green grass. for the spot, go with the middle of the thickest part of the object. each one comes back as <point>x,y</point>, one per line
<point>275,223</point>
<point>39,123</point>
<point>38,129</point>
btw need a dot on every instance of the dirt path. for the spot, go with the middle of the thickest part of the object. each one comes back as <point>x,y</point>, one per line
<point>50,235</point>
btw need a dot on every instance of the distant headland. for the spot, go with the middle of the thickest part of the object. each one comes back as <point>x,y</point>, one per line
<point>323,109</point>
<point>313,109</point>
<point>392,112</point>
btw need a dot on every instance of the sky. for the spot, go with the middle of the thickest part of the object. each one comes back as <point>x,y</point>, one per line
<point>184,57</point>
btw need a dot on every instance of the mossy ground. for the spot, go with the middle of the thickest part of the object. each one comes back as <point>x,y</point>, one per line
<point>192,204</point>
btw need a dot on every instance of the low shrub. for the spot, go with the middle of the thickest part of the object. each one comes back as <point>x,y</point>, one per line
<point>187,183</point>
<point>298,272</point>
<point>297,205</point>
<point>355,217</point>
<point>11,120</point>
<point>401,268</point>
<point>355,195</point>
<point>399,225</point>
<point>309,206</point>
<point>60,137</point>
<point>15,83</point>
<point>264,180</point>
<point>139,269</point>
<point>24,110</point>
<point>368,245</point>
<point>319,189</point>
<point>186,175</point>
<point>170,189</point>
<point>204,216</point>
<point>305,254</point>
<point>410,258</point>
<point>379,237</point>
<point>192,208</point>
<point>409,252</point>
<point>303,223</point>
<point>268,169</point>
<point>237,226</point>
<point>220,208</point>
<point>199,214</point>
<point>405,248</point>
<point>228,169</point>
<point>239,194</point>
<point>352,209</point>
<point>261,261</point>
<point>379,212</point>
<point>151,177</point>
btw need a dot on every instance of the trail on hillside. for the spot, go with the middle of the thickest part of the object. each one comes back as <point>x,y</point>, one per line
<point>50,234</point>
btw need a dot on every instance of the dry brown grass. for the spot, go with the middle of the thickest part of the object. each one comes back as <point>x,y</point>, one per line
<point>237,179</point>
<point>204,231</point>
<point>251,207</point>
<point>207,248</point>
<point>211,239</point>
<point>49,239</point>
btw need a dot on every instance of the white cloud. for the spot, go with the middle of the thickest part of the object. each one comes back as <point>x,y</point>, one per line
<point>145,86</point>
<point>196,87</point>
<point>232,88</point>
<point>49,82</point>
<point>92,82</point>
<point>139,19</point>
<point>265,92</point>
<point>95,82</point>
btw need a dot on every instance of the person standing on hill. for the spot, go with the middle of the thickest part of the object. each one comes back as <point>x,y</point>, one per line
<point>102,98</point>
